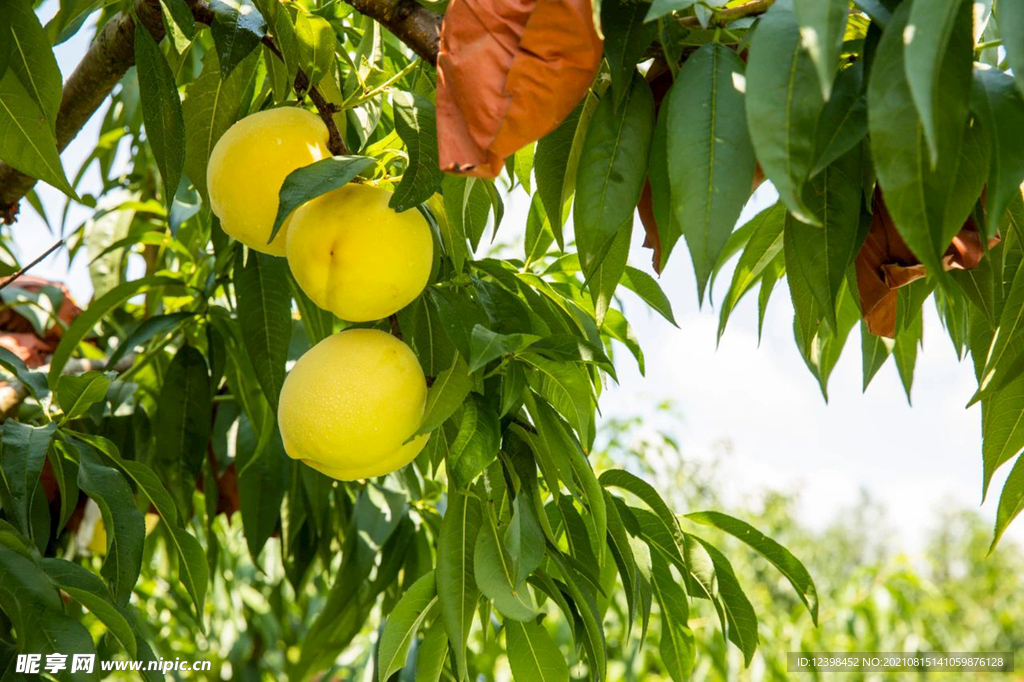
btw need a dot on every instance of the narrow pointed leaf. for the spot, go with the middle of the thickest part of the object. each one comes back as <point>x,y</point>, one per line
<point>710,158</point>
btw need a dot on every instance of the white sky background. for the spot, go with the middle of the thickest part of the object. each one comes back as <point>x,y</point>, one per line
<point>761,400</point>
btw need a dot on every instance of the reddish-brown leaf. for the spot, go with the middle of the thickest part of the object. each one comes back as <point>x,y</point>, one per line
<point>508,72</point>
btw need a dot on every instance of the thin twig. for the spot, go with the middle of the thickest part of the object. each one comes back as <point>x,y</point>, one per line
<point>38,260</point>
<point>730,14</point>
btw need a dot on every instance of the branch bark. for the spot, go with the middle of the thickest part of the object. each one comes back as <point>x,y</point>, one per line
<point>413,24</point>
<point>112,53</point>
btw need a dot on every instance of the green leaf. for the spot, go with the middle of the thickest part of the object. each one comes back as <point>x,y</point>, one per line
<point>1001,364</point>
<point>318,178</point>
<point>532,654</point>
<point>671,535</point>
<point>237,29</point>
<point>1011,501</point>
<point>904,351</point>
<point>211,106</point>
<point>844,120</point>
<point>1002,428</point>
<point>779,557</point>
<point>431,655</point>
<point>90,316</point>
<point>495,575</point>
<point>485,345</point>
<point>456,587</point>
<point>604,280</point>
<point>710,159</point>
<point>476,444</point>
<point>6,46</point>
<point>415,122</point>
<point>739,612</point>
<point>764,245</point>
<point>154,327</point>
<point>1000,108</point>
<point>784,102</point>
<point>822,255</point>
<point>622,555</point>
<point>126,529</point>
<point>593,639</point>
<point>34,382</point>
<point>181,25</point>
<point>32,62</point>
<point>161,112</point>
<point>402,623</point>
<point>567,387</point>
<point>84,587</point>
<point>677,646</point>
<point>660,8</point>
<point>822,25</point>
<point>316,44</point>
<point>265,317</point>
<point>978,286</point>
<point>539,236</point>
<point>524,536</point>
<point>561,448</point>
<point>77,393</point>
<point>926,39</point>
<point>556,161</point>
<point>265,472</point>
<point>446,395</point>
<point>669,229</point>
<point>1010,16</point>
<point>928,206</point>
<point>649,291</point>
<point>24,451</point>
<point>875,350</point>
<point>192,568</point>
<point>66,473</point>
<point>626,37</point>
<point>182,424</point>
<point>611,171</point>
<point>27,143</point>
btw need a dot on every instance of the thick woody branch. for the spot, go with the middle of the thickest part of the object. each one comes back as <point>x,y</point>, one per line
<point>413,24</point>
<point>111,54</point>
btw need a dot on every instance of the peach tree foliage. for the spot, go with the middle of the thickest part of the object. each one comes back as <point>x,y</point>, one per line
<point>502,533</point>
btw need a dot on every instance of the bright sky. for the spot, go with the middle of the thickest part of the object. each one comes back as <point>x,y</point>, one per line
<point>761,400</point>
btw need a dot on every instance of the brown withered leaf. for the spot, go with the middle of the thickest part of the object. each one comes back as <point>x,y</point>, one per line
<point>508,72</point>
<point>885,263</point>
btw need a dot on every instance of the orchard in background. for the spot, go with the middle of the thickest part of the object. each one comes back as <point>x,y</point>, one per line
<point>310,186</point>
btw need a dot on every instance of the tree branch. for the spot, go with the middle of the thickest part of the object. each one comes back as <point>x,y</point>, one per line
<point>31,265</point>
<point>111,54</point>
<point>723,17</point>
<point>411,22</point>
